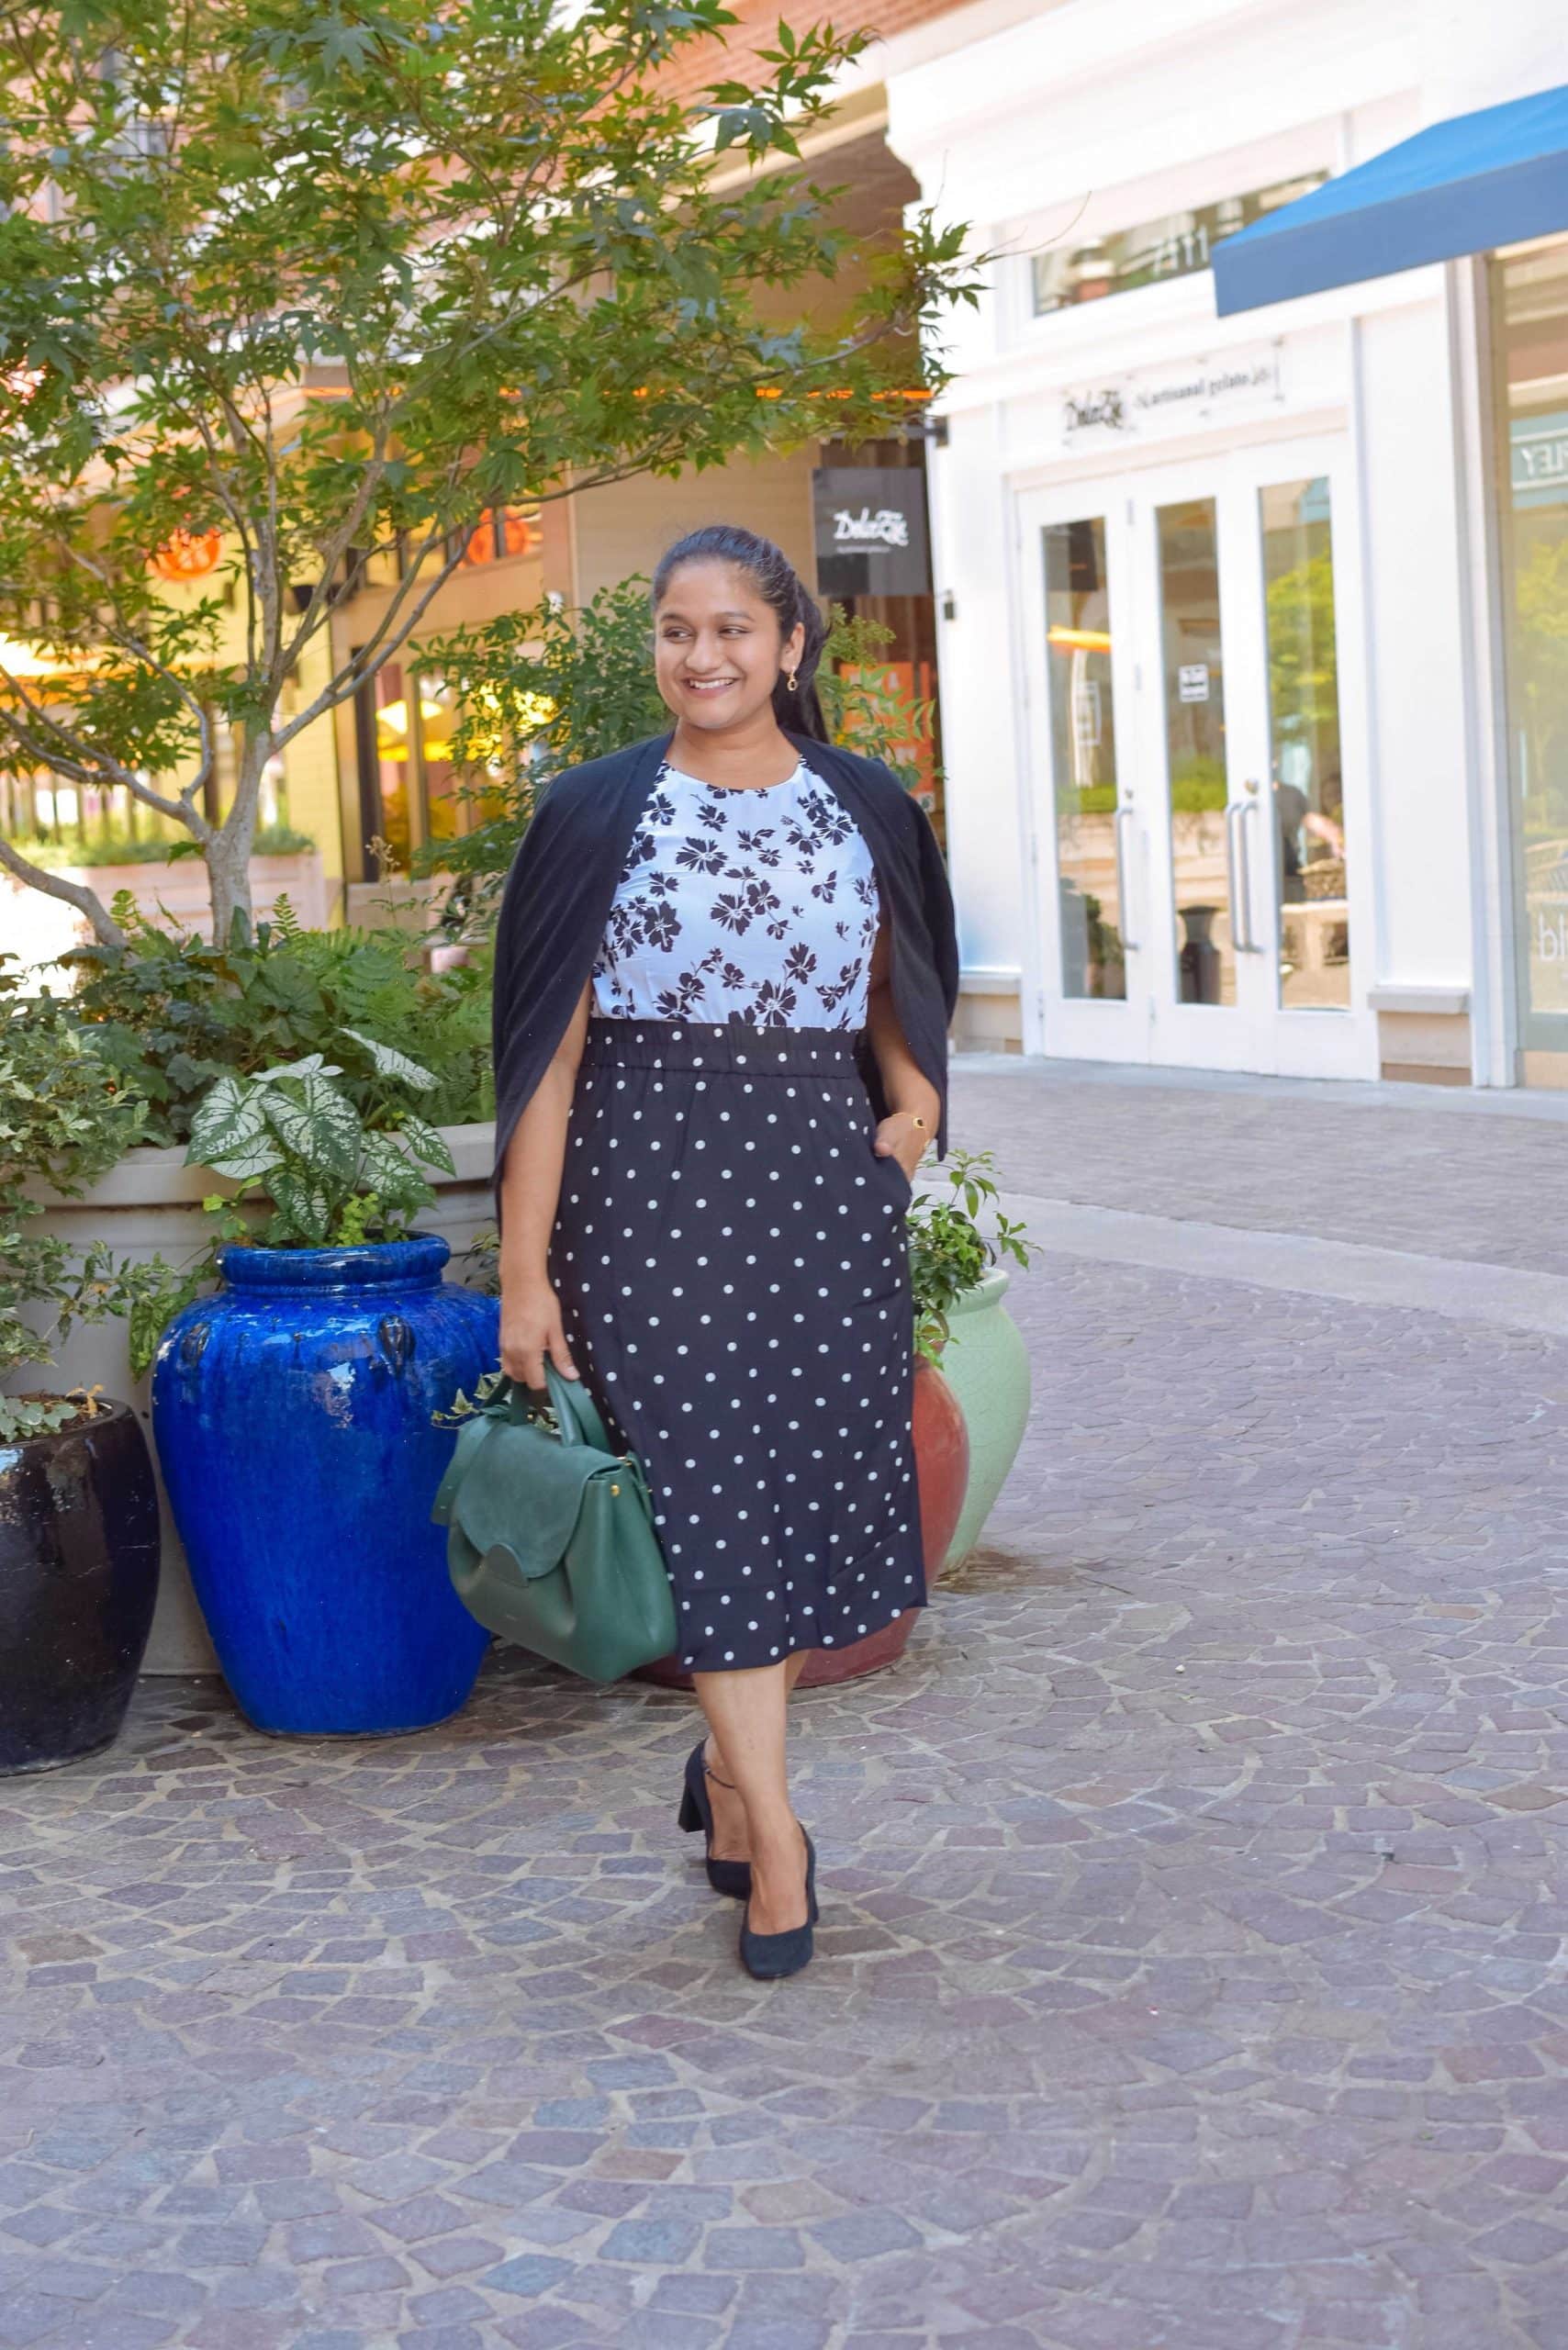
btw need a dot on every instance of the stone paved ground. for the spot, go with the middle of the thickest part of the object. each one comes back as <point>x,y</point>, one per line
<point>1191,1973</point>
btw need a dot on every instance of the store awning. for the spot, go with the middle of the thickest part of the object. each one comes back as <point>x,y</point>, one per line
<point>1486,179</point>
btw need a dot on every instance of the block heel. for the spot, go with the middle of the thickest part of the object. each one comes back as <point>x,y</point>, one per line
<point>732,1879</point>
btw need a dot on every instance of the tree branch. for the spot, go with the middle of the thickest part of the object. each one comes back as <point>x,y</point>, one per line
<point>54,885</point>
<point>63,753</point>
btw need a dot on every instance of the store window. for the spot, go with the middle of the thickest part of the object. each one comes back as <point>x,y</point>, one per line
<point>438,716</point>
<point>1177,245</point>
<point>1529,315</point>
<point>385,764</point>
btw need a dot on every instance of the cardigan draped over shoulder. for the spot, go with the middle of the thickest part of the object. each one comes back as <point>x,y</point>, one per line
<point>563,881</point>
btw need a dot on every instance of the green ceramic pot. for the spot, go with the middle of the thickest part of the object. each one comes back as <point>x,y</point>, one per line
<point>986,1364</point>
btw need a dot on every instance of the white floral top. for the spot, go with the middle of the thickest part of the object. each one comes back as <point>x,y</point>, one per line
<point>755,904</point>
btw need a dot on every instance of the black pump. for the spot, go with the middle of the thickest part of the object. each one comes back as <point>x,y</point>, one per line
<point>769,1957</point>
<point>732,1879</point>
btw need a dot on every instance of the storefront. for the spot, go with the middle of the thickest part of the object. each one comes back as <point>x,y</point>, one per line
<point>1255,707</point>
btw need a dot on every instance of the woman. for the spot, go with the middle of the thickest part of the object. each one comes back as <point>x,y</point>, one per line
<point>725,967</point>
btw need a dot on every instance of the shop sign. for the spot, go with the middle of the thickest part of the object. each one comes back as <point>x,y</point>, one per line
<point>870,531</point>
<point>1135,403</point>
<point>1192,681</point>
<point>1538,460</point>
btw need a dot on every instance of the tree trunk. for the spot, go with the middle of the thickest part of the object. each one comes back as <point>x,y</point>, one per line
<point>229,851</point>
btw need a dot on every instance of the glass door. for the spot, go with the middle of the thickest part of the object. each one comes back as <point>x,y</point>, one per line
<point>1089,1000</point>
<point>1196,904</point>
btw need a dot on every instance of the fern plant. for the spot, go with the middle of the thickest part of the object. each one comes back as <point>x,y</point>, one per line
<point>292,1135</point>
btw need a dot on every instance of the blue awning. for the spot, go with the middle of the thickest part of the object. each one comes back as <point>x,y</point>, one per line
<point>1486,179</point>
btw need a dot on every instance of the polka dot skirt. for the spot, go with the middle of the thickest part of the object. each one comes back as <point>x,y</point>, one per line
<point>733,1268</point>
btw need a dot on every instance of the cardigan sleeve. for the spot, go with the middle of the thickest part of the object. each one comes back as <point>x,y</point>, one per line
<point>526,999</point>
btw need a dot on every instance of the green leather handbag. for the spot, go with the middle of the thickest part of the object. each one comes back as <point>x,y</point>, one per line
<point>550,1536</point>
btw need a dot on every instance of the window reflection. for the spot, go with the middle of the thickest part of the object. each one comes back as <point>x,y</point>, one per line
<point>1530,316</point>
<point>387,810</point>
<point>438,716</point>
<point>1083,759</point>
<point>1194,734</point>
<point>1304,717</point>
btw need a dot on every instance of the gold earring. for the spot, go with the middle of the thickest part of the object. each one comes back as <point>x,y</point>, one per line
<point>793,681</point>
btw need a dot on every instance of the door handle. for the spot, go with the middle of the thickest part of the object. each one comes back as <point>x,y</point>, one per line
<point>1238,871</point>
<point>1124,816</point>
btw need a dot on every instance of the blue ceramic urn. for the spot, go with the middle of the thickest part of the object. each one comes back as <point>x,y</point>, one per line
<point>294,1418</point>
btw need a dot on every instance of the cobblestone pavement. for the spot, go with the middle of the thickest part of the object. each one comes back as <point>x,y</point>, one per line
<point>1192,1969</point>
<point>1481,1176</point>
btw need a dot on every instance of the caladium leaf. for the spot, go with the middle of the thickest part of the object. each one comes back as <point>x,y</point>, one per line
<point>301,1205</point>
<point>250,1159</point>
<point>389,1062</point>
<point>395,1177</point>
<point>228,1120</point>
<point>426,1142</point>
<point>313,1065</point>
<point>317,1126</point>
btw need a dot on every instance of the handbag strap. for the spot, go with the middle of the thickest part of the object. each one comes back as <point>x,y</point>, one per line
<point>576,1415</point>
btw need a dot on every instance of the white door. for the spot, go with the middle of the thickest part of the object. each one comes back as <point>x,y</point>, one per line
<point>1197,803</point>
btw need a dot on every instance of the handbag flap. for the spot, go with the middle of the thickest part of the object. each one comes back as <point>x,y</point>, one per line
<point>521,1491</point>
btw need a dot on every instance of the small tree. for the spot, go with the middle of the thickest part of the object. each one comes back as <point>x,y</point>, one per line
<point>317,284</point>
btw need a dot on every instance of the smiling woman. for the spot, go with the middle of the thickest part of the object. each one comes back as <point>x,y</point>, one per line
<point>703,1194</point>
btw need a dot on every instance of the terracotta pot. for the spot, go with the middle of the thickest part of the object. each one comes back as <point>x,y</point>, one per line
<point>941,1467</point>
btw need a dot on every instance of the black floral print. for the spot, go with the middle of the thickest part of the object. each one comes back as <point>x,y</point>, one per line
<point>755,905</point>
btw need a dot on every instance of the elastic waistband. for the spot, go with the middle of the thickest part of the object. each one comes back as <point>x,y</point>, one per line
<point>733,1045</point>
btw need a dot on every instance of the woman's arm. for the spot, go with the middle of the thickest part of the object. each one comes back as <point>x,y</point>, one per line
<point>531,1192</point>
<point>908,1093</point>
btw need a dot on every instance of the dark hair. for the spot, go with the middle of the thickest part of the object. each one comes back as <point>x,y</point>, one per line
<point>782,589</point>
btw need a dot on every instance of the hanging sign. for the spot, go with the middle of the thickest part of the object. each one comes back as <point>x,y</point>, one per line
<point>1157,400</point>
<point>1192,681</point>
<point>870,531</point>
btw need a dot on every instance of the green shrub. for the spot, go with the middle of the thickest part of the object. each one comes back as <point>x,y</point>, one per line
<point>171,1013</point>
<point>64,1121</point>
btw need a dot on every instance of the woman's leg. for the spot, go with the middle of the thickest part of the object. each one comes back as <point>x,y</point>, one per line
<point>746,1714</point>
<point>730,1837</point>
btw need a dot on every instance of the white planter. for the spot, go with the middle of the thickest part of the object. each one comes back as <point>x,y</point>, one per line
<point>46,927</point>
<point>149,1205</point>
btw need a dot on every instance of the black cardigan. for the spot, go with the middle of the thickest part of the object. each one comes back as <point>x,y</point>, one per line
<point>563,881</point>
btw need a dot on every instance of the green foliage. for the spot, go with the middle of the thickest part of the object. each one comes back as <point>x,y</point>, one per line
<point>537,691</point>
<point>547,689</point>
<point>1303,670</point>
<point>64,1121</point>
<point>333,282</point>
<point>290,1136</point>
<point>948,1253</point>
<point>1198,787</point>
<point>169,1014</point>
<point>864,703</point>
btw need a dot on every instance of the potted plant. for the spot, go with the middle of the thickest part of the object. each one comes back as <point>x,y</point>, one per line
<point>959,1285</point>
<point>78,1506</point>
<point>294,1409</point>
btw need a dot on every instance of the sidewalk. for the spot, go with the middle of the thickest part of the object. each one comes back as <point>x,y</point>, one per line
<point>1192,1971</point>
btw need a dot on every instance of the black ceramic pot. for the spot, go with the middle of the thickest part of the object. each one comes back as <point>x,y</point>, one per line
<point>78,1577</point>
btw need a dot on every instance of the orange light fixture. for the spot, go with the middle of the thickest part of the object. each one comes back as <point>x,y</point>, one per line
<point>1078,640</point>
